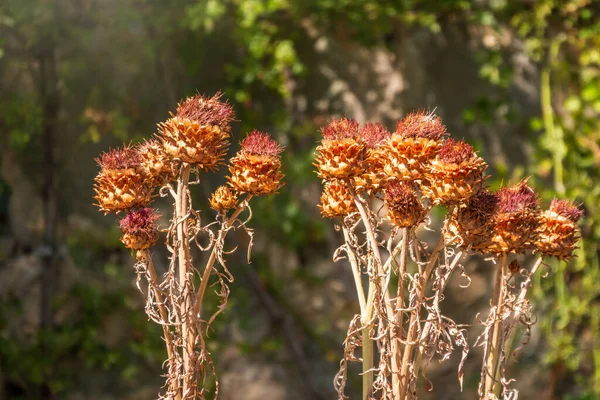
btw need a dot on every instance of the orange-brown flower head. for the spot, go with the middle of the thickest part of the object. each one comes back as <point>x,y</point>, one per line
<point>404,208</point>
<point>473,223</point>
<point>373,178</point>
<point>517,219</point>
<point>342,153</point>
<point>199,133</point>
<point>138,229</point>
<point>121,183</point>
<point>417,140</point>
<point>256,169</point>
<point>336,200</point>
<point>421,124</point>
<point>455,174</point>
<point>158,166</point>
<point>558,232</point>
<point>223,199</point>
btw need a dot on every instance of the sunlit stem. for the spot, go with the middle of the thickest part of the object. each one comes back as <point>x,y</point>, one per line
<point>495,342</point>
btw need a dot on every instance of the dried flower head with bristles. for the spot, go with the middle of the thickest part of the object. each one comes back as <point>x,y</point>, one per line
<point>473,223</point>
<point>403,206</point>
<point>455,174</point>
<point>138,229</point>
<point>417,140</point>
<point>121,183</point>
<point>199,133</point>
<point>374,135</point>
<point>256,169</point>
<point>517,219</point>
<point>558,232</point>
<point>342,153</point>
<point>158,166</point>
<point>336,200</point>
<point>223,199</point>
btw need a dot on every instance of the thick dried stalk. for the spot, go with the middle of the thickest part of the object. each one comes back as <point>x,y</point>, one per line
<point>367,345</point>
<point>355,272</point>
<point>398,332</point>
<point>493,354</point>
<point>185,284</point>
<point>513,318</point>
<point>153,285</point>
<point>414,318</point>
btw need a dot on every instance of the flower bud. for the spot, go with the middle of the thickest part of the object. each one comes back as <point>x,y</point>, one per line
<point>373,178</point>
<point>223,199</point>
<point>138,229</point>
<point>404,208</point>
<point>336,200</point>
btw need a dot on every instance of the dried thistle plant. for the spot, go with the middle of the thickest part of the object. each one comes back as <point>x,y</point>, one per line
<point>407,173</point>
<point>194,140</point>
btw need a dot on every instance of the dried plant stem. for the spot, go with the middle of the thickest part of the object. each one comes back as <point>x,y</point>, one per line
<point>494,348</point>
<point>513,318</point>
<point>355,273</point>
<point>367,345</point>
<point>399,318</point>
<point>145,254</point>
<point>429,323</point>
<point>184,269</point>
<point>414,318</point>
<point>213,254</point>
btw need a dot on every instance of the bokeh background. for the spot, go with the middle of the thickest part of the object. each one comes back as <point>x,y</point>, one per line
<point>520,80</point>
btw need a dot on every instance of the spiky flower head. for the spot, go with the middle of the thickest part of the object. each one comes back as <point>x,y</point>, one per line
<point>223,199</point>
<point>158,167</point>
<point>517,219</point>
<point>404,208</point>
<point>373,178</point>
<point>199,133</point>
<point>256,169</point>
<point>421,124</point>
<point>138,229</point>
<point>121,183</point>
<point>473,223</point>
<point>455,174</point>
<point>336,200</point>
<point>416,141</point>
<point>342,153</point>
<point>558,232</point>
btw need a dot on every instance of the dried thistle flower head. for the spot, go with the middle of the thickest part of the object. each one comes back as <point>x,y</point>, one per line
<point>404,208</point>
<point>421,124</point>
<point>558,232</point>
<point>342,152</point>
<point>256,169</point>
<point>455,174</point>
<point>336,200</point>
<point>373,178</point>
<point>223,199</point>
<point>138,229</point>
<point>199,133</point>
<point>417,140</point>
<point>517,219</point>
<point>473,223</point>
<point>121,183</point>
<point>158,166</point>
<point>373,134</point>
